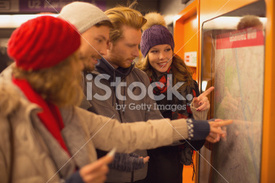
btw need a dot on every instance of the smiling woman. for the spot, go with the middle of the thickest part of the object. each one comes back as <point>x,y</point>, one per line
<point>160,57</point>
<point>162,66</point>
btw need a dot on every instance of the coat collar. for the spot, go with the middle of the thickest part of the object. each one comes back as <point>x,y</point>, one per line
<point>104,67</point>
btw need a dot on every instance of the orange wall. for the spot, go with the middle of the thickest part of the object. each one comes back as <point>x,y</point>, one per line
<point>186,33</point>
<point>268,148</point>
<point>212,8</point>
<point>186,30</point>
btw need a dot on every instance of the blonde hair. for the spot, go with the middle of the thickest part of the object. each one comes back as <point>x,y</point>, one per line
<point>181,73</point>
<point>121,16</point>
<point>59,84</point>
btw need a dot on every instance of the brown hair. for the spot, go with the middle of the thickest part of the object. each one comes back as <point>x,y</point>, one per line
<point>57,84</point>
<point>249,21</point>
<point>121,16</point>
<point>181,73</point>
<point>104,23</point>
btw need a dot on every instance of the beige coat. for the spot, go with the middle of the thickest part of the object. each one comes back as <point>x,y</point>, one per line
<point>37,156</point>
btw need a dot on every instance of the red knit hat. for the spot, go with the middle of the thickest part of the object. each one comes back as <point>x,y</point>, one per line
<point>42,42</point>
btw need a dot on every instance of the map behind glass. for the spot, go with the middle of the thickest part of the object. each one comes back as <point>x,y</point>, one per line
<point>238,81</point>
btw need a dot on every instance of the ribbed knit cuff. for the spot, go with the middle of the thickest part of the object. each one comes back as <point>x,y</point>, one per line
<point>190,129</point>
<point>199,129</point>
<point>75,178</point>
<point>198,115</point>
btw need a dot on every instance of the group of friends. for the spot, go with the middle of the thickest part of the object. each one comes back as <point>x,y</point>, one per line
<point>58,115</point>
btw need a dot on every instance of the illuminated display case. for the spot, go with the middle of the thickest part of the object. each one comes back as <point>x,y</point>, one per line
<point>201,12</point>
<point>233,60</point>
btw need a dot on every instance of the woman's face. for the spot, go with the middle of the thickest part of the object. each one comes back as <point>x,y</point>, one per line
<point>160,57</point>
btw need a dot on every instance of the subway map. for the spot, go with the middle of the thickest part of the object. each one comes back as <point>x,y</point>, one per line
<point>239,81</point>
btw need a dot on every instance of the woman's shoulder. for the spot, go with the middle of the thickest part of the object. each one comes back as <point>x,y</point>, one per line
<point>10,98</point>
<point>13,99</point>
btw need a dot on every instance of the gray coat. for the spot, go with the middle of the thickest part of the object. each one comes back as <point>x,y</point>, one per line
<point>126,111</point>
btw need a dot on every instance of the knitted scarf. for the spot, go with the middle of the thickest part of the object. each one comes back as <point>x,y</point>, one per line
<point>162,79</point>
<point>187,113</point>
<point>50,115</point>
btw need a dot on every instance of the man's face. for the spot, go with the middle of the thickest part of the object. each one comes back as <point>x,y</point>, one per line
<point>124,50</point>
<point>94,44</point>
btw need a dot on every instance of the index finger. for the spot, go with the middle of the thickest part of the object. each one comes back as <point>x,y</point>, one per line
<point>207,92</point>
<point>224,123</point>
<point>108,158</point>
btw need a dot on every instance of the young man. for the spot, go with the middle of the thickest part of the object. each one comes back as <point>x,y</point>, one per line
<point>94,27</point>
<point>94,39</point>
<point>116,68</point>
<point>118,89</point>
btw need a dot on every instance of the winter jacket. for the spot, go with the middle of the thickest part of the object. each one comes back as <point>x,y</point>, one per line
<point>29,153</point>
<point>128,110</point>
<point>166,163</point>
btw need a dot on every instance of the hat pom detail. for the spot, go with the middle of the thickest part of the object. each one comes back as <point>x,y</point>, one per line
<point>155,33</point>
<point>153,18</point>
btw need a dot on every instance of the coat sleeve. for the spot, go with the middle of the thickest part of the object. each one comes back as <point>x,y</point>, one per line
<point>5,150</point>
<point>9,103</point>
<point>198,115</point>
<point>107,133</point>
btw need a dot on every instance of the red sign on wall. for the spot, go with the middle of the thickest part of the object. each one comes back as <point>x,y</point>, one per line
<point>242,38</point>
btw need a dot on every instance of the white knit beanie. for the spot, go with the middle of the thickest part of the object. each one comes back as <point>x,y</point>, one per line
<point>82,15</point>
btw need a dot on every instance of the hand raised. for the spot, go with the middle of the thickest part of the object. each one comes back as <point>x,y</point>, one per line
<point>201,102</point>
<point>96,172</point>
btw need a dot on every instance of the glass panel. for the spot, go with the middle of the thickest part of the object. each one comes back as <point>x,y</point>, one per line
<point>233,61</point>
